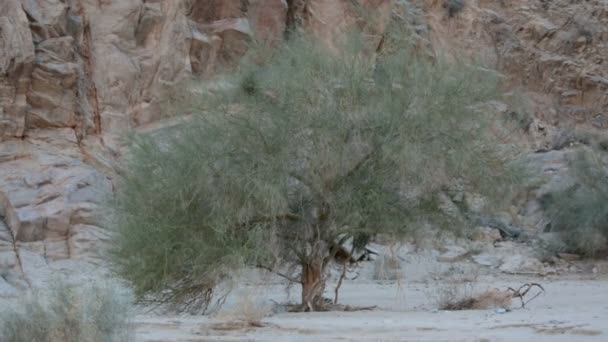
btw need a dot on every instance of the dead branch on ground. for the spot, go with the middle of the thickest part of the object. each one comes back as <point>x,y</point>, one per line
<point>523,290</point>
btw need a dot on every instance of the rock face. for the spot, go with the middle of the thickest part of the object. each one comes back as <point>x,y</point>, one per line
<point>553,51</point>
<point>76,75</point>
<point>48,198</point>
<point>16,62</point>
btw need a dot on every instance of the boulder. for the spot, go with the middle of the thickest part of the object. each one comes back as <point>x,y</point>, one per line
<point>569,256</point>
<point>486,234</point>
<point>521,264</point>
<point>488,259</point>
<point>453,254</point>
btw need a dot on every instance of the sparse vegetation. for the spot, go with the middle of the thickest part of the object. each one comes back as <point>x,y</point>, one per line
<point>248,309</point>
<point>387,267</point>
<point>579,213</point>
<point>457,290</point>
<point>98,312</point>
<point>308,149</point>
<point>489,299</point>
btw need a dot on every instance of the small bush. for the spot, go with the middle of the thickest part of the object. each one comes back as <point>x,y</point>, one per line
<point>454,288</point>
<point>579,213</point>
<point>69,313</point>
<point>455,296</point>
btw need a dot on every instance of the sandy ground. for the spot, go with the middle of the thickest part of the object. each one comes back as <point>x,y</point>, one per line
<point>573,308</point>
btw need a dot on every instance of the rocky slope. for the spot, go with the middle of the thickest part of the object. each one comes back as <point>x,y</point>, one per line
<point>552,52</point>
<point>77,75</point>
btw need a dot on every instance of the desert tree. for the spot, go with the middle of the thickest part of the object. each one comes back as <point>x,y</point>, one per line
<point>293,154</point>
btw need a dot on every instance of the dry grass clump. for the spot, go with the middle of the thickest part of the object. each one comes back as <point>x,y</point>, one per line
<point>457,291</point>
<point>489,299</point>
<point>97,312</point>
<point>387,268</point>
<point>247,313</point>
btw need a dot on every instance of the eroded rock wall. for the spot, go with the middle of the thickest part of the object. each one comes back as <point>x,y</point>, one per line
<point>551,52</point>
<point>76,75</point>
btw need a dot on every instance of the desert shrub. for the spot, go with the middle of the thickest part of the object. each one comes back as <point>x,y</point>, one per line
<point>455,289</point>
<point>579,213</point>
<point>98,312</point>
<point>454,300</point>
<point>452,289</point>
<point>520,113</point>
<point>250,306</point>
<point>300,152</point>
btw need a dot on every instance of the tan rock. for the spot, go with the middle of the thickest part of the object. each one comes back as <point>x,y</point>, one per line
<point>268,19</point>
<point>16,60</point>
<point>207,11</point>
<point>48,18</point>
<point>520,264</point>
<point>330,20</point>
<point>453,254</point>
<point>487,259</point>
<point>569,256</point>
<point>486,234</point>
<point>85,240</point>
<point>44,195</point>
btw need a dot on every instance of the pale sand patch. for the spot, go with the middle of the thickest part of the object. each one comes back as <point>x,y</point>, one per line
<point>571,310</point>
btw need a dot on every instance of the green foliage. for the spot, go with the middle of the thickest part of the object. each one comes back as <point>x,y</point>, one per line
<point>579,213</point>
<point>95,313</point>
<point>304,147</point>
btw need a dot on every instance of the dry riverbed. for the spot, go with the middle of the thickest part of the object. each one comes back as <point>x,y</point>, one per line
<point>574,307</point>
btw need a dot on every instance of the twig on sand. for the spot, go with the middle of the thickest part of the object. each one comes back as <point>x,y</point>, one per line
<point>523,290</point>
<point>329,307</point>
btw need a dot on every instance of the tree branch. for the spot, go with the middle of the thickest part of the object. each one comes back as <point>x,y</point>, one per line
<point>342,275</point>
<point>355,168</point>
<point>262,219</point>
<point>282,275</point>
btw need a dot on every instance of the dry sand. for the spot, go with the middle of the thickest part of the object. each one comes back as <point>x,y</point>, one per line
<point>574,308</point>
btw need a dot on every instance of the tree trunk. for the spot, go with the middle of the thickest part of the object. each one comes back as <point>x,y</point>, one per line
<point>313,285</point>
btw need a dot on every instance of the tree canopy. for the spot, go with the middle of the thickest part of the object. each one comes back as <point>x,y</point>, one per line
<point>298,150</point>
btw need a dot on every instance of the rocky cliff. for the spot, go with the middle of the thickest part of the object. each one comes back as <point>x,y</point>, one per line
<point>553,52</point>
<point>77,75</point>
